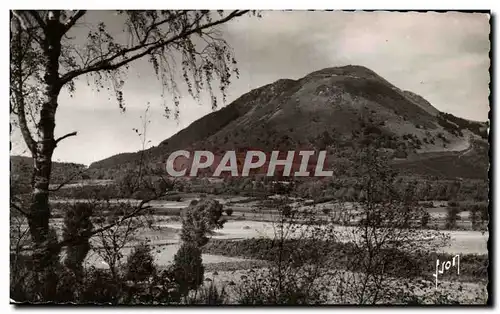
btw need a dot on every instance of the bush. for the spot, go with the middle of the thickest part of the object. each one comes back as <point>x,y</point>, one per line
<point>229,211</point>
<point>473,217</point>
<point>76,224</point>
<point>399,153</point>
<point>187,269</point>
<point>210,295</point>
<point>288,288</point>
<point>425,219</point>
<point>483,209</point>
<point>451,217</point>
<point>199,220</point>
<point>100,287</point>
<point>21,277</point>
<point>140,264</point>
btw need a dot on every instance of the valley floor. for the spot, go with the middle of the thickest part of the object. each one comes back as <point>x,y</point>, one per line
<point>245,223</point>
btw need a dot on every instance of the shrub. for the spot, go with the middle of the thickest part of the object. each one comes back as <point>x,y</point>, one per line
<point>229,211</point>
<point>210,295</point>
<point>101,287</point>
<point>76,224</point>
<point>187,269</point>
<point>288,288</point>
<point>425,219</point>
<point>473,216</point>
<point>484,212</point>
<point>140,264</point>
<point>428,205</point>
<point>199,220</point>
<point>451,217</point>
<point>400,154</point>
<point>21,277</point>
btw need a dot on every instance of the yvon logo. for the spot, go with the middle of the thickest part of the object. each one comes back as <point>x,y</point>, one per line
<point>446,265</point>
<point>301,163</point>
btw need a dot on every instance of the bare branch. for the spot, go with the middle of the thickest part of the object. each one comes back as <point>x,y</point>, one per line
<point>19,98</point>
<point>37,18</point>
<point>107,64</point>
<point>20,19</point>
<point>23,125</point>
<point>74,175</point>
<point>155,25</point>
<point>65,136</point>
<point>19,209</point>
<point>72,20</point>
<point>12,108</point>
<point>74,240</point>
<point>79,238</point>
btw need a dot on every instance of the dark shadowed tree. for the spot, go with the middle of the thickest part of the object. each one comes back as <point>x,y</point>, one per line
<point>46,58</point>
<point>140,263</point>
<point>199,221</point>
<point>77,222</point>
<point>187,269</point>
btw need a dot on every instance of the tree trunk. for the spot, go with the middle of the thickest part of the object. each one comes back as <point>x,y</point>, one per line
<point>45,259</point>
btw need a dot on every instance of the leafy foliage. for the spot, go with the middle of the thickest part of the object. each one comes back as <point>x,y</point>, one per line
<point>140,263</point>
<point>187,269</point>
<point>199,220</point>
<point>291,289</point>
<point>77,224</point>
<point>211,295</point>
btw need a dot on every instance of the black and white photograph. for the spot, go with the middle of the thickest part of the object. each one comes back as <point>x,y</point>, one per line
<point>250,157</point>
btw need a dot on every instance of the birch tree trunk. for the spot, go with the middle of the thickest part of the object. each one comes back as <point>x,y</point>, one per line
<point>43,36</point>
<point>44,259</point>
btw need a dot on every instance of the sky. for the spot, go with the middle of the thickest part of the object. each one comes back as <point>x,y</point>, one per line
<point>443,57</point>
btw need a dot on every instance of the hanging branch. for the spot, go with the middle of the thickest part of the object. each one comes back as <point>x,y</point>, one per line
<point>107,63</point>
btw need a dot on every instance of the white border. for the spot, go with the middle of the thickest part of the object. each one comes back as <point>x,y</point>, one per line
<point>190,4</point>
<point>261,4</point>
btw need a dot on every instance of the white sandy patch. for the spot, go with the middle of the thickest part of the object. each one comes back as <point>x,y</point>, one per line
<point>163,255</point>
<point>463,242</point>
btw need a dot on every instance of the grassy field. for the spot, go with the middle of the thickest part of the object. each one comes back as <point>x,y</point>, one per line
<point>408,290</point>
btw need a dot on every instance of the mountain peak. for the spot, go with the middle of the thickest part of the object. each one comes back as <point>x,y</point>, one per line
<point>332,108</point>
<point>356,71</point>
